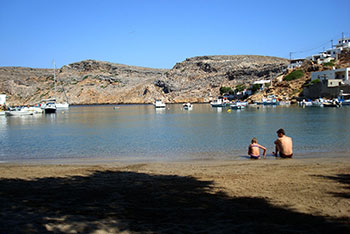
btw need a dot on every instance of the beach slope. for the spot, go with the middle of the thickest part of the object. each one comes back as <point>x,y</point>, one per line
<point>263,196</point>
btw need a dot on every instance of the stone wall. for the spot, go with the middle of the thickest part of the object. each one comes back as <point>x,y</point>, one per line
<point>321,90</point>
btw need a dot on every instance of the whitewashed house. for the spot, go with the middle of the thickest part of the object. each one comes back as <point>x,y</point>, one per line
<point>331,54</point>
<point>262,83</point>
<point>2,99</point>
<point>295,63</point>
<point>333,78</point>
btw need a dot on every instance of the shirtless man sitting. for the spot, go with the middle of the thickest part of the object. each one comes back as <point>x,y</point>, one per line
<point>283,145</point>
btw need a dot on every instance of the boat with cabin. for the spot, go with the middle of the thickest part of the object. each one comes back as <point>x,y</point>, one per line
<point>239,105</point>
<point>18,111</point>
<point>50,108</point>
<point>187,106</point>
<point>220,102</point>
<point>332,103</point>
<point>159,104</point>
<point>269,101</point>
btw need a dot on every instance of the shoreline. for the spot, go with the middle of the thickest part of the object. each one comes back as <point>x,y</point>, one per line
<point>283,196</point>
<point>103,160</point>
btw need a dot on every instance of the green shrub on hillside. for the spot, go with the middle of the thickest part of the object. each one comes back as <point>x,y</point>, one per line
<point>255,88</point>
<point>316,81</point>
<point>240,88</point>
<point>329,64</point>
<point>224,90</point>
<point>294,75</point>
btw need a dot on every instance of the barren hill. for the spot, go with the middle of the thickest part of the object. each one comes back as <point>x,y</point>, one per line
<point>196,79</point>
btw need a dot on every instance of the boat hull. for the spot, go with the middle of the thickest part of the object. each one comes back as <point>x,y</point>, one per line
<point>62,105</point>
<point>18,113</point>
<point>50,110</point>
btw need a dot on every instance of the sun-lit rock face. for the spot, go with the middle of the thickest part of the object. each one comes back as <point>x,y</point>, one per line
<point>196,79</point>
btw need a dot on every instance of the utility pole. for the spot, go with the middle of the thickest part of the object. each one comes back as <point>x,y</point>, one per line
<point>290,56</point>
<point>331,44</point>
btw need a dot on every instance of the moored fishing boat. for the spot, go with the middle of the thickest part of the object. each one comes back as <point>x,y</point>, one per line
<point>159,104</point>
<point>18,112</point>
<point>238,105</point>
<point>334,103</point>
<point>220,102</point>
<point>187,106</point>
<point>50,108</point>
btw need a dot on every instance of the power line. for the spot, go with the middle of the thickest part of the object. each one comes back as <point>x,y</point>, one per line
<point>344,34</point>
<point>307,50</point>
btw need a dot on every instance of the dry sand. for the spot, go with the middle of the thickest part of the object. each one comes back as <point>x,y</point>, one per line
<point>247,196</point>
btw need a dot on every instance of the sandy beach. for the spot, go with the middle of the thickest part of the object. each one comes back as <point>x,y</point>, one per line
<point>246,196</point>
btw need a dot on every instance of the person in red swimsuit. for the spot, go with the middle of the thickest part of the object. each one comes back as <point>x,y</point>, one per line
<point>254,149</point>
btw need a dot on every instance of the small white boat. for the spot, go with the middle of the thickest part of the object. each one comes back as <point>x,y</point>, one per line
<point>62,105</point>
<point>238,105</point>
<point>187,106</point>
<point>18,112</point>
<point>34,110</point>
<point>285,103</point>
<point>269,101</point>
<point>318,102</point>
<point>219,103</point>
<point>305,103</point>
<point>159,104</point>
<point>50,108</point>
<point>332,103</point>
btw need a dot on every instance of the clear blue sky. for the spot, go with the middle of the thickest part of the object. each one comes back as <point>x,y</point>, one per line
<point>160,33</point>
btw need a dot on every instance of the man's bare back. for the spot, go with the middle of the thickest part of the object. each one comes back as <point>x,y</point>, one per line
<point>284,145</point>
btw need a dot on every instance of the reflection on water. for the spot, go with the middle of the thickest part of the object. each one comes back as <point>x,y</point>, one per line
<point>132,132</point>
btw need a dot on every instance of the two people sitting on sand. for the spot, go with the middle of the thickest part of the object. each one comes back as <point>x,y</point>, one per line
<point>283,147</point>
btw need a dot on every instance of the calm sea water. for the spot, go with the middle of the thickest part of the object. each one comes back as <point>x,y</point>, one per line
<point>142,133</point>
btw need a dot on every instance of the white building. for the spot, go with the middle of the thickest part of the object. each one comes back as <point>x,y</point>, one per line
<point>2,99</point>
<point>295,63</point>
<point>332,53</point>
<point>322,57</point>
<point>333,77</point>
<point>262,82</point>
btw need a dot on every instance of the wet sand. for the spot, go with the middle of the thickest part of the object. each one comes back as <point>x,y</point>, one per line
<point>246,196</point>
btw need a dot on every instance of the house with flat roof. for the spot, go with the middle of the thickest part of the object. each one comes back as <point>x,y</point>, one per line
<point>295,63</point>
<point>330,54</point>
<point>2,99</point>
<point>332,78</point>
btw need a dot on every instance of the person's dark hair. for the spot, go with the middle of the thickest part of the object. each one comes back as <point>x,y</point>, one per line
<point>281,130</point>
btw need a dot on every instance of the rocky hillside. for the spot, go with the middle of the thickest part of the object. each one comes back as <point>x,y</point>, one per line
<point>293,90</point>
<point>199,79</point>
<point>196,79</point>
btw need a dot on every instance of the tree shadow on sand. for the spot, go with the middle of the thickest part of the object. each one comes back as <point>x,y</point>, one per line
<point>343,179</point>
<point>116,201</point>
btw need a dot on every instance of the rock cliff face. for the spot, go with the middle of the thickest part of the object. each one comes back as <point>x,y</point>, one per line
<point>196,79</point>
<point>199,79</point>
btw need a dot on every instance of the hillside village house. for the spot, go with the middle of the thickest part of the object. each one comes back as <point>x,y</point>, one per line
<point>262,83</point>
<point>331,54</point>
<point>333,78</point>
<point>2,99</point>
<point>295,63</point>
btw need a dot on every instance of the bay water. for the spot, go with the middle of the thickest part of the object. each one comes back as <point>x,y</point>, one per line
<point>135,133</point>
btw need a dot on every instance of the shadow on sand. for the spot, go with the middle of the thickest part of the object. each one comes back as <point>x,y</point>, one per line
<point>116,201</point>
<point>343,179</point>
